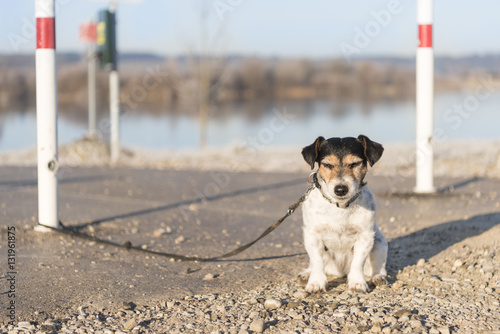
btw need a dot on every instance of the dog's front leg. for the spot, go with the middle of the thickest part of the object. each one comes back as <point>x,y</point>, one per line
<point>314,247</point>
<point>362,248</point>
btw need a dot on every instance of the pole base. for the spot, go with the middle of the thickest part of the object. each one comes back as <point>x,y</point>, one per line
<point>43,229</point>
<point>420,190</point>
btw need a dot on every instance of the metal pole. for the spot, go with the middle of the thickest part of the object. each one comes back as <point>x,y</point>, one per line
<point>425,99</point>
<point>46,109</point>
<point>92,89</point>
<point>114,97</point>
<point>114,105</point>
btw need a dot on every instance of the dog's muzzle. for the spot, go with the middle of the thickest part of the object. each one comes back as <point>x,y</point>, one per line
<point>339,190</point>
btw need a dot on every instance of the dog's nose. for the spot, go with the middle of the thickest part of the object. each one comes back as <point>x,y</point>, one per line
<point>340,190</point>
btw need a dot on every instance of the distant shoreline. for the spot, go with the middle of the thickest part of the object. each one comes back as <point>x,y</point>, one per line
<point>159,82</point>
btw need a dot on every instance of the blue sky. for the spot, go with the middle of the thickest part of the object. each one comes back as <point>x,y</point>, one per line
<point>287,28</point>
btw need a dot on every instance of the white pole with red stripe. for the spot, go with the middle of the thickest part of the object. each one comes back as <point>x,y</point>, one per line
<point>114,101</point>
<point>46,113</point>
<point>425,99</point>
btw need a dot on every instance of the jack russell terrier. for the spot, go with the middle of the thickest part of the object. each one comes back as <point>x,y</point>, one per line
<point>340,233</point>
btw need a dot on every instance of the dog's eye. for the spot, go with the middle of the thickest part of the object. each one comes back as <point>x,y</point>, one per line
<point>355,164</point>
<point>328,166</point>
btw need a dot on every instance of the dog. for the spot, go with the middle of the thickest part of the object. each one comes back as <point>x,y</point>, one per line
<point>340,233</point>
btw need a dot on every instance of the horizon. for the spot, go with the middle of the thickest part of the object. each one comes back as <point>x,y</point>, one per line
<point>265,57</point>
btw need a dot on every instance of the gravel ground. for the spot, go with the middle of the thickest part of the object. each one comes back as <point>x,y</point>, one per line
<point>456,291</point>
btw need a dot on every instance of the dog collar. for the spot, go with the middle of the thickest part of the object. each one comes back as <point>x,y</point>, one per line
<point>313,180</point>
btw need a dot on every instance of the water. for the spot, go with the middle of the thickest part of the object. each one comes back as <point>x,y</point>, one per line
<point>282,123</point>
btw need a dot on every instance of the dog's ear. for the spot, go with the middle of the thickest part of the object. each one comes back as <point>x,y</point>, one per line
<point>373,150</point>
<point>310,153</point>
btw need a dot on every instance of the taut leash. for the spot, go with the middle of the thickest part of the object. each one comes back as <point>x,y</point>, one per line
<point>128,244</point>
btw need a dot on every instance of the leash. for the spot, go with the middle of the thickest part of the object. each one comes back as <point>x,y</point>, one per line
<point>128,245</point>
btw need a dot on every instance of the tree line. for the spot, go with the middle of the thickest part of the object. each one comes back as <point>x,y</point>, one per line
<point>177,82</point>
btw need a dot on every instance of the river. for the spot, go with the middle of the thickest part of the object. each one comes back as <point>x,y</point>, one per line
<point>457,116</point>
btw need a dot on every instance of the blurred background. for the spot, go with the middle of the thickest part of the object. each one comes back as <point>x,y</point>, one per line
<point>213,73</point>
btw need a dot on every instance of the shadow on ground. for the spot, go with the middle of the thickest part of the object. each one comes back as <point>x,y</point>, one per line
<point>428,242</point>
<point>198,200</point>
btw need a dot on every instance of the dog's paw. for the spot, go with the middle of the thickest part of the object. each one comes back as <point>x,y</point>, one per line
<point>379,280</point>
<point>316,283</point>
<point>358,285</point>
<point>315,286</point>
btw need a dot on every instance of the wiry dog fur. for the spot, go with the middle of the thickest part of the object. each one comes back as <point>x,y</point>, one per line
<point>340,233</point>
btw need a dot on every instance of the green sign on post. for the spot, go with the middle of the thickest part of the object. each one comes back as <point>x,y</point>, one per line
<point>106,40</point>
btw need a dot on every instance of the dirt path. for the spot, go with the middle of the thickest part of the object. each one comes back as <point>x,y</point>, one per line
<point>208,213</point>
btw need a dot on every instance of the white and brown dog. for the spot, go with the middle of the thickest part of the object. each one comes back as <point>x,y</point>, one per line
<point>340,233</point>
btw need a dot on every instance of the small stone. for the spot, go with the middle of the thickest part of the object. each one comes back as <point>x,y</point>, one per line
<point>433,331</point>
<point>390,319</point>
<point>457,263</point>
<point>254,315</point>
<point>417,300</point>
<point>402,312</point>
<point>179,240</point>
<point>24,324</point>
<point>252,301</point>
<point>49,326</point>
<point>333,306</point>
<point>344,296</point>
<point>294,315</point>
<point>130,324</point>
<point>416,324</point>
<point>421,263</point>
<point>320,303</point>
<point>444,330</point>
<point>363,328</point>
<point>293,304</point>
<point>159,233</point>
<point>339,314</point>
<point>376,328</point>
<point>170,304</point>
<point>257,325</point>
<point>127,306</point>
<point>272,304</point>
<point>404,318</point>
<point>397,285</point>
<point>300,294</point>
<point>208,277</point>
